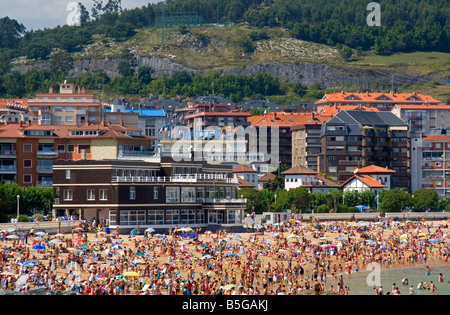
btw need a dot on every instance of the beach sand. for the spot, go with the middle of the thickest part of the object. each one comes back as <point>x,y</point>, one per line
<point>245,240</point>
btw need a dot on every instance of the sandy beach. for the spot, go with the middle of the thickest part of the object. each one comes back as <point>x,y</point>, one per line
<point>285,259</point>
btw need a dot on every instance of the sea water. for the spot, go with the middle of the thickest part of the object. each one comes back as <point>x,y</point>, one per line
<point>362,282</point>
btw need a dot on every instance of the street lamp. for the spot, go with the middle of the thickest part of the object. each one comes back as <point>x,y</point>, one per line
<point>18,206</point>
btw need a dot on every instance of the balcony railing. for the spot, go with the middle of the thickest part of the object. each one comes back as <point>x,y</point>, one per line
<point>194,178</point>
<point>134,153</point>
<point>44,168</point>
<point>10,169</point>
<point>47,153</point>
<point>46,183</point>
<point>8,152</point>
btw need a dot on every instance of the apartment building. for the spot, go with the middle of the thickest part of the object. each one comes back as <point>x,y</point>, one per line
<point>281,124</point>
<point>356,139</point>
<point>430,166</point>
<point>381,101</point>
<point>28,152</point>
<point>71,106</point>
<point>161,194</point>
<point>424,119</point>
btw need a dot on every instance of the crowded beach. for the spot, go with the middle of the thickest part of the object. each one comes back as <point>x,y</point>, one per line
<point>280,259</point>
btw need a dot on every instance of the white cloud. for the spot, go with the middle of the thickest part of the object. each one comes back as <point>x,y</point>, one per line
<point>39,14</point>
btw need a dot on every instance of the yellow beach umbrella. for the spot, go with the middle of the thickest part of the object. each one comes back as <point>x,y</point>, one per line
<point>131,274</point>
<point>421,234</point>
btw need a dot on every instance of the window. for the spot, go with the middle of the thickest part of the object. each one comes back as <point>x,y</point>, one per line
<point>90,194</point>
<point>172,194</point>
<point>27,179</point>
<point>332,169</point>
<point>27,147</point>
<point>69,118</point>
<point>85,147</point>
<point>188,194</point>
<point>70,148</point>
<point>103,194</point>
<point>61,148</point>
<point>155,193</point>
<point>27,163</point>
<point>172,216</point>
<point>132,193</point>
<point>187,216</point>
<point>68,195</point>
<point>57,118</point>
<point>200,217</point>
<point>155,217</point>
<point>132,217</point>
<point>67,174</point>
<point>69,109</point>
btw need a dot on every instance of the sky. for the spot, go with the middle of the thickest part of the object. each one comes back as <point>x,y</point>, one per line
<point>40,14</point>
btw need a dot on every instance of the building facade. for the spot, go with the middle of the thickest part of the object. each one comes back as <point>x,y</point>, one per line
<point>28,152</point>
<point>355,139</point>
<point>162,194</point>
<point>71,106</point>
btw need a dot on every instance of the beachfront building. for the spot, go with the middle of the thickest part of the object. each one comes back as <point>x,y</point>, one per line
<point>300,176</point>
<point>28,152</point>
<point>246,175</point>
<point>355,139</point>
<point>372,178</point>
<point>161,194</point>
<point>430,166</point>
<point>71,106</point>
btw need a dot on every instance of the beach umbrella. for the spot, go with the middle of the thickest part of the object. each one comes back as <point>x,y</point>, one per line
<point>11,230</point>
<point>208,232</point>
<point>29,264</point>
<point>131,274</point>
<point>404,236</point>
<point>421,234</point>
<point>433,240</point>
<point>39,238</point>
<point>318,227</point>
<point>341,239</point>
<point>54,241</point>
<point>77,240</point>
<point>38,247</point>
<point>236,236</point>
<point>206,257</point>
<point>12,237</point>
<point>229,287</point>
<point>116,246</point>
<point>149,230</point>
<point>60,235</point>
<point>40,233</point>
<point>96,240</point>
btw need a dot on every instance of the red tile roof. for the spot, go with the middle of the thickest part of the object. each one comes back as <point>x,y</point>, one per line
<point>282,119</point>
<point>265,178</point>
<point>299,170</point>
<point>243,169</point>
<point>366,179</point>
<point>373,169</point>
<point>369,97</point>
<point>244,183</point>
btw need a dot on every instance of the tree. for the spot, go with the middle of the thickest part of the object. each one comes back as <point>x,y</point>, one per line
<point>10,32</point>
<point>425,199</point>
<point>145,74</point>
<point>300,197</point>
<point>394,200</point>
<point>275,184</point>
<point>334,196</point>
<point>61,62</point>
<point>252,196</point>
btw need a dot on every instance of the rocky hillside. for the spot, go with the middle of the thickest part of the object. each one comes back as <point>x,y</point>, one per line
<point>242,50</point>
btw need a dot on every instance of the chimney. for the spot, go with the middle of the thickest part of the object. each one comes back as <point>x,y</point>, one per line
<point>83,91</point>
<point>50,90</point>
<point>312,116</point>
<point>79,90</point>
<point>103,123</point>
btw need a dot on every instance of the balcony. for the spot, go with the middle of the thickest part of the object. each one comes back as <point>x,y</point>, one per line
<point>192,178</point>
<point>44,169</point>
<point>8,169</point>
<point>46,183</point>
<point>8,153</point>
<point>47,153</point>
<point>123,153</point>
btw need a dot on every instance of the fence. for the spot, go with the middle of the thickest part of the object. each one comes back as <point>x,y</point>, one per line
<point>47,226</point>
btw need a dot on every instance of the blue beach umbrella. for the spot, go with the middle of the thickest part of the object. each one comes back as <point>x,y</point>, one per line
<point>38,247</point>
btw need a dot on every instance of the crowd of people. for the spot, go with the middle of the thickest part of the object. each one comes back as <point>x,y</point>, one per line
<point>283,259</point>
